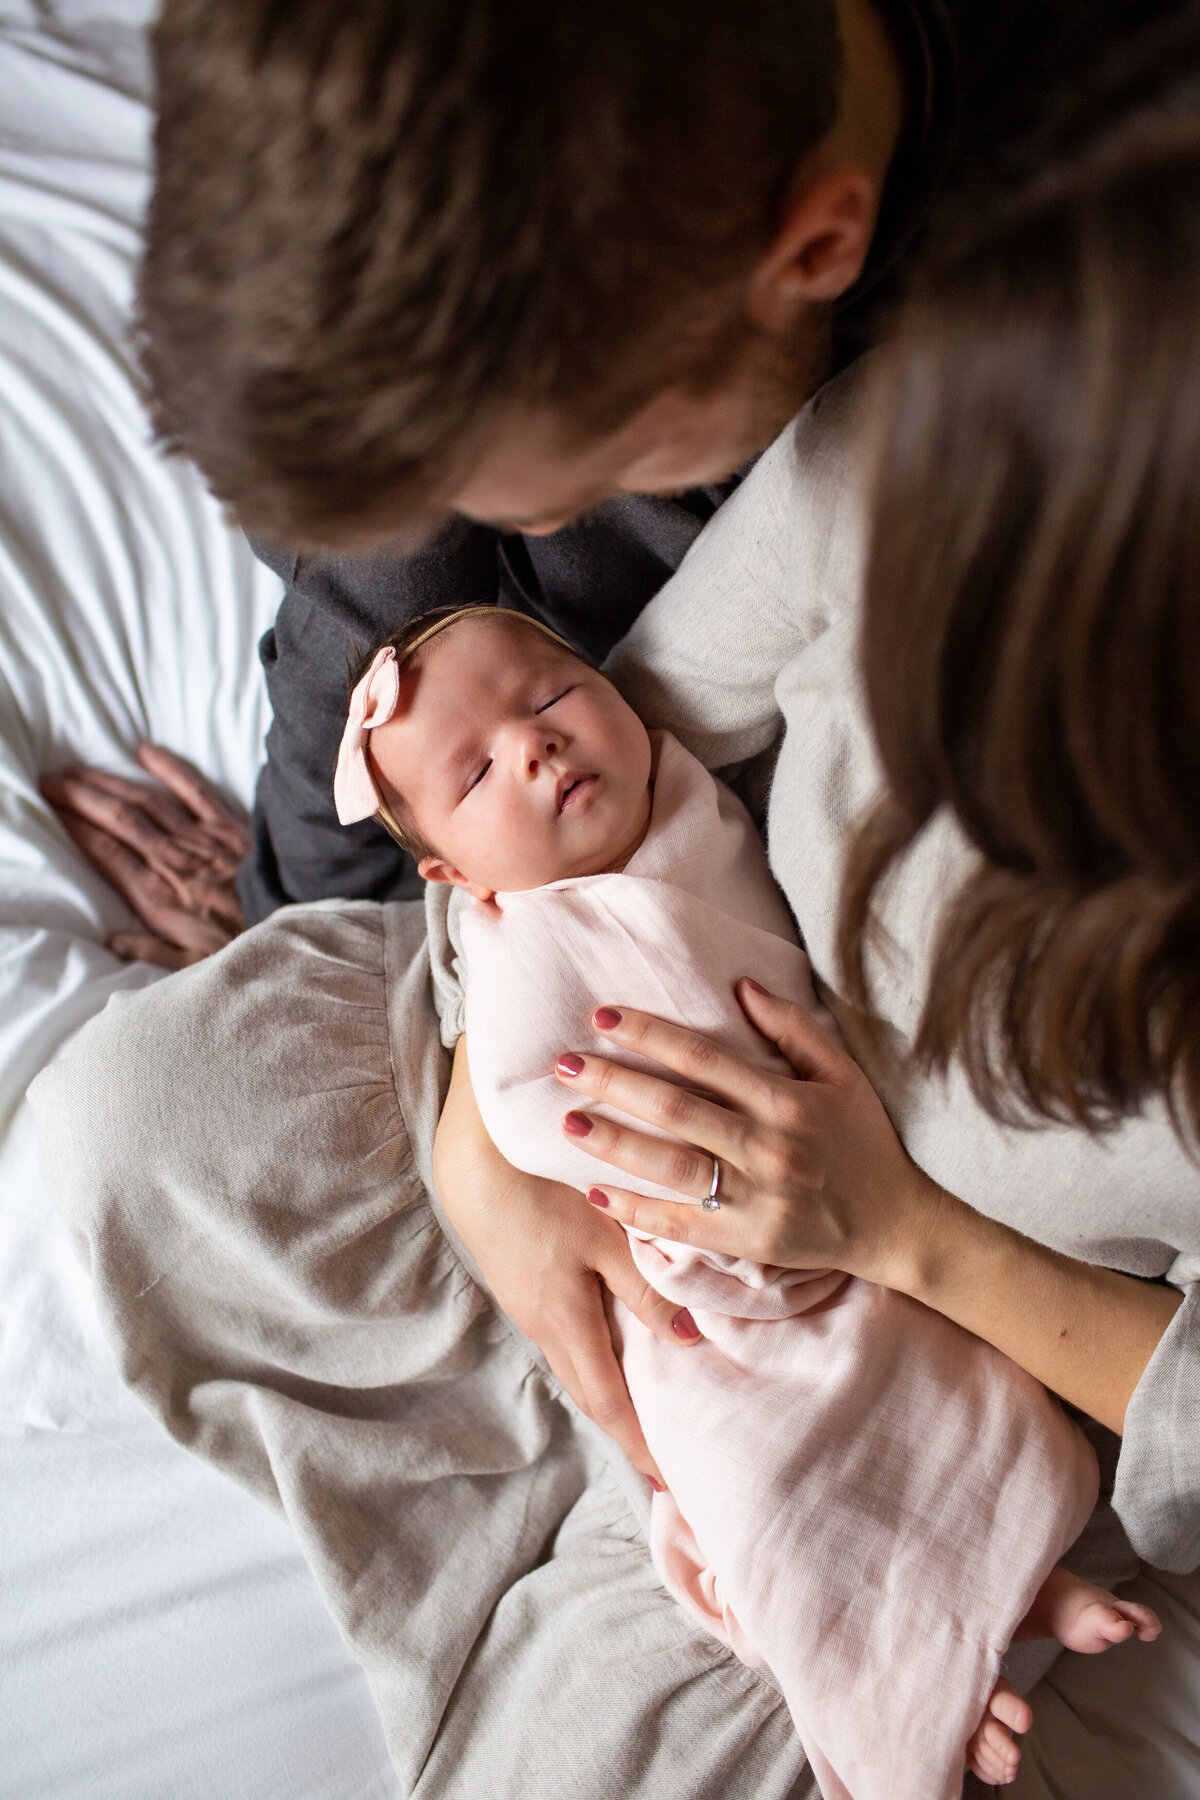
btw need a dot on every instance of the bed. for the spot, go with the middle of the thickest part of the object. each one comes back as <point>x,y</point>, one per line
<point>161,1637</point>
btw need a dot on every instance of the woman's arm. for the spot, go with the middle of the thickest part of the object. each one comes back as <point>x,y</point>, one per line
<point>813,1175</point>
<point>548,1260</point>
<point>1088,1333</point>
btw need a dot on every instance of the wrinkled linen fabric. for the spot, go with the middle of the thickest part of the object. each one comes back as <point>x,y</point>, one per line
<point>243,1151</point>
<point>859,1493</point>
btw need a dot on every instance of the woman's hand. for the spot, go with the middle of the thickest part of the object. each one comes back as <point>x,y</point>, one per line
<point>171,851</point>
<point>812,1172</point>
<point>547,1259</point>
<point>813,1176</point>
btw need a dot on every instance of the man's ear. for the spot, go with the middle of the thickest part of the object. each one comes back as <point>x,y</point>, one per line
<point>432,868</point>
<point>819,247</point>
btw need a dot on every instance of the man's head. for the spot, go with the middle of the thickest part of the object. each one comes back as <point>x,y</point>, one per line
<point>505,256</point>
<point>508,762</point>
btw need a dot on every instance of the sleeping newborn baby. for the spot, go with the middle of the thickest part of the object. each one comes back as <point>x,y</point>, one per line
<point>861,1495</point>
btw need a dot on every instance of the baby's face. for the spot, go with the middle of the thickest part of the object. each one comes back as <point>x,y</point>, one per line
<point>518,763</point>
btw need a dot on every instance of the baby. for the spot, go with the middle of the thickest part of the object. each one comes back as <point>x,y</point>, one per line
<point>861,1495</point>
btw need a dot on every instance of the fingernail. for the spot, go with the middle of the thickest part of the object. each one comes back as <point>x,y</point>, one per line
<point>119,946</point>
<point>656,1485</point>
<point>595,1196</point>
<point>606,1018</point>
<point>577,1124</point>
<point>570,1065</point>
<point>683,1325</point>
<point>757,986</point>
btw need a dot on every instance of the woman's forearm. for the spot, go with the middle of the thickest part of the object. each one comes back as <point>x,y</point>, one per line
<point>1087,1333</point>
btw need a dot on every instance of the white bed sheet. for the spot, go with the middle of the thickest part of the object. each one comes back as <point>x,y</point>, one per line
<point>160,1638</point>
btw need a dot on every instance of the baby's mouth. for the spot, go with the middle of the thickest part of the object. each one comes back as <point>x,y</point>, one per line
<point>572,789</point>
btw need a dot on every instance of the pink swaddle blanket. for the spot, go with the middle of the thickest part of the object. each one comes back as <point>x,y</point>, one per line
<point>861,1495</point>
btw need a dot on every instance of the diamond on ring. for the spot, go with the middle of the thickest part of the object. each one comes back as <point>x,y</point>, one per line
<point>710,1203</point>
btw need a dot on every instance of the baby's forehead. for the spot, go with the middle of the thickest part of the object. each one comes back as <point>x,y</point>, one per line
<point>509,642</point>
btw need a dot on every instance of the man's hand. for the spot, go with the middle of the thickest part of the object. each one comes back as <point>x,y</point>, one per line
<point>170,850</point>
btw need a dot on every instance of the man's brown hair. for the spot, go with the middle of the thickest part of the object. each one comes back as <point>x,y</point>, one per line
<point>378,226</point>
<point>1031,640</point>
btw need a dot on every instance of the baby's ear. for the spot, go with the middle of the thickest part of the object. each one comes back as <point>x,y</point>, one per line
<point>432,868</point>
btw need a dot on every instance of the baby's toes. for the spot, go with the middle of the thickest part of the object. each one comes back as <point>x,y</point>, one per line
<point>992,1755</point>
<point>1096,1627</point>
<point>1008,1706</point>
<point>1143,1619</point>
<point>1110,1623</point>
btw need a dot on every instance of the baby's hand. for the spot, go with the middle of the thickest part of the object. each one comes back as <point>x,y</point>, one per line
<point>991,1753</point>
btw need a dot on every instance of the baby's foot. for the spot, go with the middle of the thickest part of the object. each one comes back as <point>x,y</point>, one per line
<point>991,1753</point>
<point>1086,1618</point>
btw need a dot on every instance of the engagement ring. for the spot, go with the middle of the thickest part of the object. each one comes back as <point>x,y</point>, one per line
<point>710,1203</point>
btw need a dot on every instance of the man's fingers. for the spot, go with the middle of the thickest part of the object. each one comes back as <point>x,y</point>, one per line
<point>125,815</point>
<point>203,846</point>
<point>151,797</point>
<point>665,1318</point>
<point>198,794</point>
<point>141,946</point>
<point>151,818</point>
<point>121,866</point>
<point>144,891</point>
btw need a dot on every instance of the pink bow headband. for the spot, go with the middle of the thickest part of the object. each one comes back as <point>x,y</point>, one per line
<point>374,701</point>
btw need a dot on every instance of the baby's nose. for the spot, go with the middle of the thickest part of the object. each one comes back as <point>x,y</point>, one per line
<point>532,751</point>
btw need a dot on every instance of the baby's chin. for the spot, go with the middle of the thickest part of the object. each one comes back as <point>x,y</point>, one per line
<point>607,846</point>
<point>605,860</point>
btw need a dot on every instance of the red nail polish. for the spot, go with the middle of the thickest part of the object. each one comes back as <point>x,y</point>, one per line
<point>577,1124</point>
<point>656,1485</point>
<point>606,1018</point>
<point>757,986</point>
<point>597,1197</point>
<point>683,1325</point>
<point>570,1065</point>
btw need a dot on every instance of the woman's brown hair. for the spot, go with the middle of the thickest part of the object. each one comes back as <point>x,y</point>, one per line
<point>1031,638</point>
